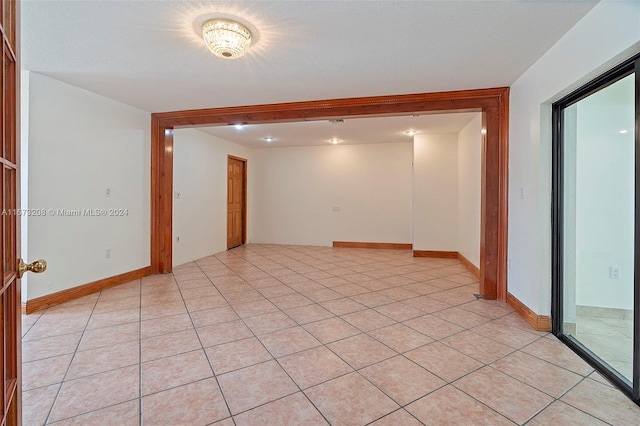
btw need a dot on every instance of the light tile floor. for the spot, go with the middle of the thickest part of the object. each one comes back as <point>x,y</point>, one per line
<point>291,335</point>
<point>609,338</point>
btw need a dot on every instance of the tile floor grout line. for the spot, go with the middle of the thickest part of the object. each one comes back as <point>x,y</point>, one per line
<point>584,378</point>
<point>85,350</point>
<point>540,410</point>
<point>50,336</point>
<point>274,358</point>
<point>530,385</point>
<point>89,412</point>
<point>173,387</point>
<point>394,411</point>
<point>111,369</point>
<point>317,384</point>
<point>557,365</point>
<point>471,356</point>
<point>202,348</point>
<point>358,371</point>
<point>452,384</point>
<point>62,382</point>
<point>553,398</point>
<point>49,357</point>
<point>24,333</point>
<point>278,363</point>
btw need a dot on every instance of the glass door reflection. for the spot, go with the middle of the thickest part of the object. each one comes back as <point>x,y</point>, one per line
<point>598,190</point>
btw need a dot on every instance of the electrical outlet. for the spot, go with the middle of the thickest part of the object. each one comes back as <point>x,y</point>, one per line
<point>107,253</point>
<point>614,272</point>
<point>176,194</point>
<point>336,209</point>
<point>177,239</point>
<point>107,192</point>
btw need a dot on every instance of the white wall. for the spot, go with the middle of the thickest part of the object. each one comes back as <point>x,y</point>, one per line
<point>470,189</point>
<point>200,177</point>
<point>296,190</point>
<point>80,144</point>
<point>605,197</point>
<point>609,33</point>
<point>435,192</point>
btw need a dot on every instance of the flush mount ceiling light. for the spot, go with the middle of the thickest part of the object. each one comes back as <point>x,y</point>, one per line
<point>411,132</point>
<point>335,141</point>
<point>269,139</point>
<point>225,38</point>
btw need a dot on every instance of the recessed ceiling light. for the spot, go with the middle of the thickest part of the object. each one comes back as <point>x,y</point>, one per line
<point>239,126</point>
<point>336,121</point>
<point>225,38</point>
<point>623,131</point>
<point>335,141</point>
<point>411,132</point>
<point>269,139</point>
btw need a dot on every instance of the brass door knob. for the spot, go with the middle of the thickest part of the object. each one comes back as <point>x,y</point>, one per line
<point>37,266</point>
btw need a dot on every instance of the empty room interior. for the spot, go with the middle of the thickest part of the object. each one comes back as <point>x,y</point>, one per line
<point>301,213</point>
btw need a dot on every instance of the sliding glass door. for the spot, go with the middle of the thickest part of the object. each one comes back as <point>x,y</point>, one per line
<point>596,224</point>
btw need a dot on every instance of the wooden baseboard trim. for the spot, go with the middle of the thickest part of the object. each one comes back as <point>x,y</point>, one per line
<point>470,266</point>
<point>387,246</point>
<point>436,254</point>
<point>538,322</point>
<point>59,297</point>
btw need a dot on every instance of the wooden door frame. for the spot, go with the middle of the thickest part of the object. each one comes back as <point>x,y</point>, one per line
<point>244,196</point>
<point>11,160</point>
<point>493,102</point>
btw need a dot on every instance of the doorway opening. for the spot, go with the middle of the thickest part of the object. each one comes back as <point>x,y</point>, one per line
<point>596,224</point>
<point>236,201</point>
<point>493,103</point>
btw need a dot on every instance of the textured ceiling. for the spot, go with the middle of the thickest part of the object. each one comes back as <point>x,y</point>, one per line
<point>147,53</point>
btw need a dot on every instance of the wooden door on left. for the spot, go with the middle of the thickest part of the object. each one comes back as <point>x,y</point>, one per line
<point>236,201</point>
<point>10,311</point>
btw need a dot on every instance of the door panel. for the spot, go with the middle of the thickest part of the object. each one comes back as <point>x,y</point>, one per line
<point>10,299</point>
<point>236,202</point>
<point>596,224</point>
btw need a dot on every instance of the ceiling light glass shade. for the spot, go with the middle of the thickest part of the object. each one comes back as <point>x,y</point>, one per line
<point>226,39</point>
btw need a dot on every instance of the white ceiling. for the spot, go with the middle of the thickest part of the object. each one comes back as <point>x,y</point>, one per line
<point>352,131</point>
<point>147,53</point>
